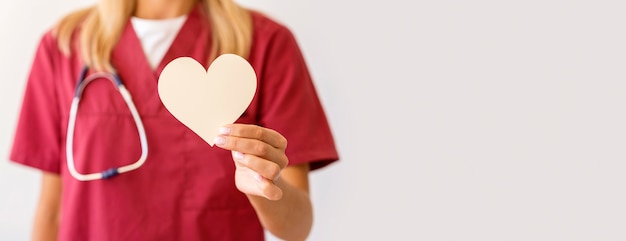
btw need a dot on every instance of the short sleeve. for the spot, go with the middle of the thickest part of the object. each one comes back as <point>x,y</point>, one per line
<point>37,136</point>
<point>290,104</point>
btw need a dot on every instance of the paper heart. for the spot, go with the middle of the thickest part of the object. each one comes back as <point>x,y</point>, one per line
<point>205,100</point>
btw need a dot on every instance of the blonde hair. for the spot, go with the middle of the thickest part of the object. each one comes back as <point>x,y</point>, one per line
<point>101,26</point>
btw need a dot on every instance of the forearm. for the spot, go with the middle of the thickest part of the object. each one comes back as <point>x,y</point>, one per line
<point>289,218</point>
<point>283,206</point>
<point>45,228</point>
<point>48,212</point>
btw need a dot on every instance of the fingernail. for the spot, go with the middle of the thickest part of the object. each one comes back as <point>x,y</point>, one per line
<point>225,130</point>
<point>219,140</point>
<point>238,155</point>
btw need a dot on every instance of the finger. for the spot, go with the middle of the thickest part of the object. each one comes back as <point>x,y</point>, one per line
<point>252,147</point>
<point>269,190</point>
<point>267,169</point>
<point>266,135</point>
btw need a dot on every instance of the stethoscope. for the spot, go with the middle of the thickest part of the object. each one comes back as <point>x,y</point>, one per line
<point>83,81</point>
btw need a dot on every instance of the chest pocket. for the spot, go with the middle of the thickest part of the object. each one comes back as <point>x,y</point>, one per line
<point>101,97</point>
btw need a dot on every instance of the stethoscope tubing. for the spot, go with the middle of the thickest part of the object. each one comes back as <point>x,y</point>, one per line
<point>114,171</point>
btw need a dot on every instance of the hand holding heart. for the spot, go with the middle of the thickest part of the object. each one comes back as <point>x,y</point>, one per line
<point>259,155</point>
<point>208,102</point>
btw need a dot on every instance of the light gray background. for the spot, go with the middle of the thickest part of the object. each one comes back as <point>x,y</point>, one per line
<point>455,120</point>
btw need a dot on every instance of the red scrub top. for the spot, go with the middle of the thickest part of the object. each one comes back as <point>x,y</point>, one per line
<point>185,190</point>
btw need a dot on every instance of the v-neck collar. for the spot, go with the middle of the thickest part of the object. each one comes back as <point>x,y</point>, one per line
<point>128,53</point>
<point>131,64</point>
<point>189,40</point>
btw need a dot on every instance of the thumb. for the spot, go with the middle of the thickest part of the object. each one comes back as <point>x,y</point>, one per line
<point>268,189</point>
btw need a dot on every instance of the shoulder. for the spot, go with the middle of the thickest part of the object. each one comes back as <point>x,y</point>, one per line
<point>265,27</point>
<point>49,45</point>
<point>49,38</point>
<point>273,39</point>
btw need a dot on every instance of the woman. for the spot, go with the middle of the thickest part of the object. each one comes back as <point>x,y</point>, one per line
<point>186,190</point>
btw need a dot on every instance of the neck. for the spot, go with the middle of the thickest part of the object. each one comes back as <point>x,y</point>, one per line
<point>162,9</point>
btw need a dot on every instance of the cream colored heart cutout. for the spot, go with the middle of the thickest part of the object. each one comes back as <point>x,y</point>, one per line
<point>205,100</point>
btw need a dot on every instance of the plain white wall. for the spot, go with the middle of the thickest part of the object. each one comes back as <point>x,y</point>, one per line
<point>455,120</point>
<point>21,25</point>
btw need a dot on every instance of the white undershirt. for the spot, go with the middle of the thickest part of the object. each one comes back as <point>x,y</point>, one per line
<point>156,36</point>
